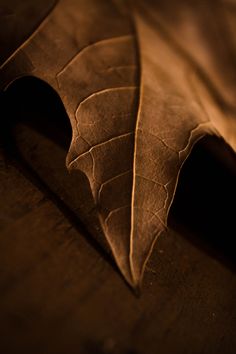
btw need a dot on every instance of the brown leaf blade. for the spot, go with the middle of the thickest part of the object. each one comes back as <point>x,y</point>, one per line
<point>130,138</point>
<point>176,110</point>
<point>92,64</point>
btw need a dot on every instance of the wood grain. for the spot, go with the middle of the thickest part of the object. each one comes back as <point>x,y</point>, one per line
<point>60,295</point>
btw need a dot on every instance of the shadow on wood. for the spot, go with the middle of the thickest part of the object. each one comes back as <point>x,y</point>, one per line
<point>204,204</point>
<point>201,210</point>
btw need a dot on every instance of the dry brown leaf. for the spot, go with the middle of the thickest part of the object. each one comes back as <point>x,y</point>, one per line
<point>140,89</point>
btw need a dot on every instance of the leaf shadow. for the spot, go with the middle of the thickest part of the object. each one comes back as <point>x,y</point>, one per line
<point>203,210</point>
<point>31,105</point>
<point>33,102</point>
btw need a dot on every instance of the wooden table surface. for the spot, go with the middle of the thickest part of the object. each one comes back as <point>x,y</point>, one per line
<point>60,295</point>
